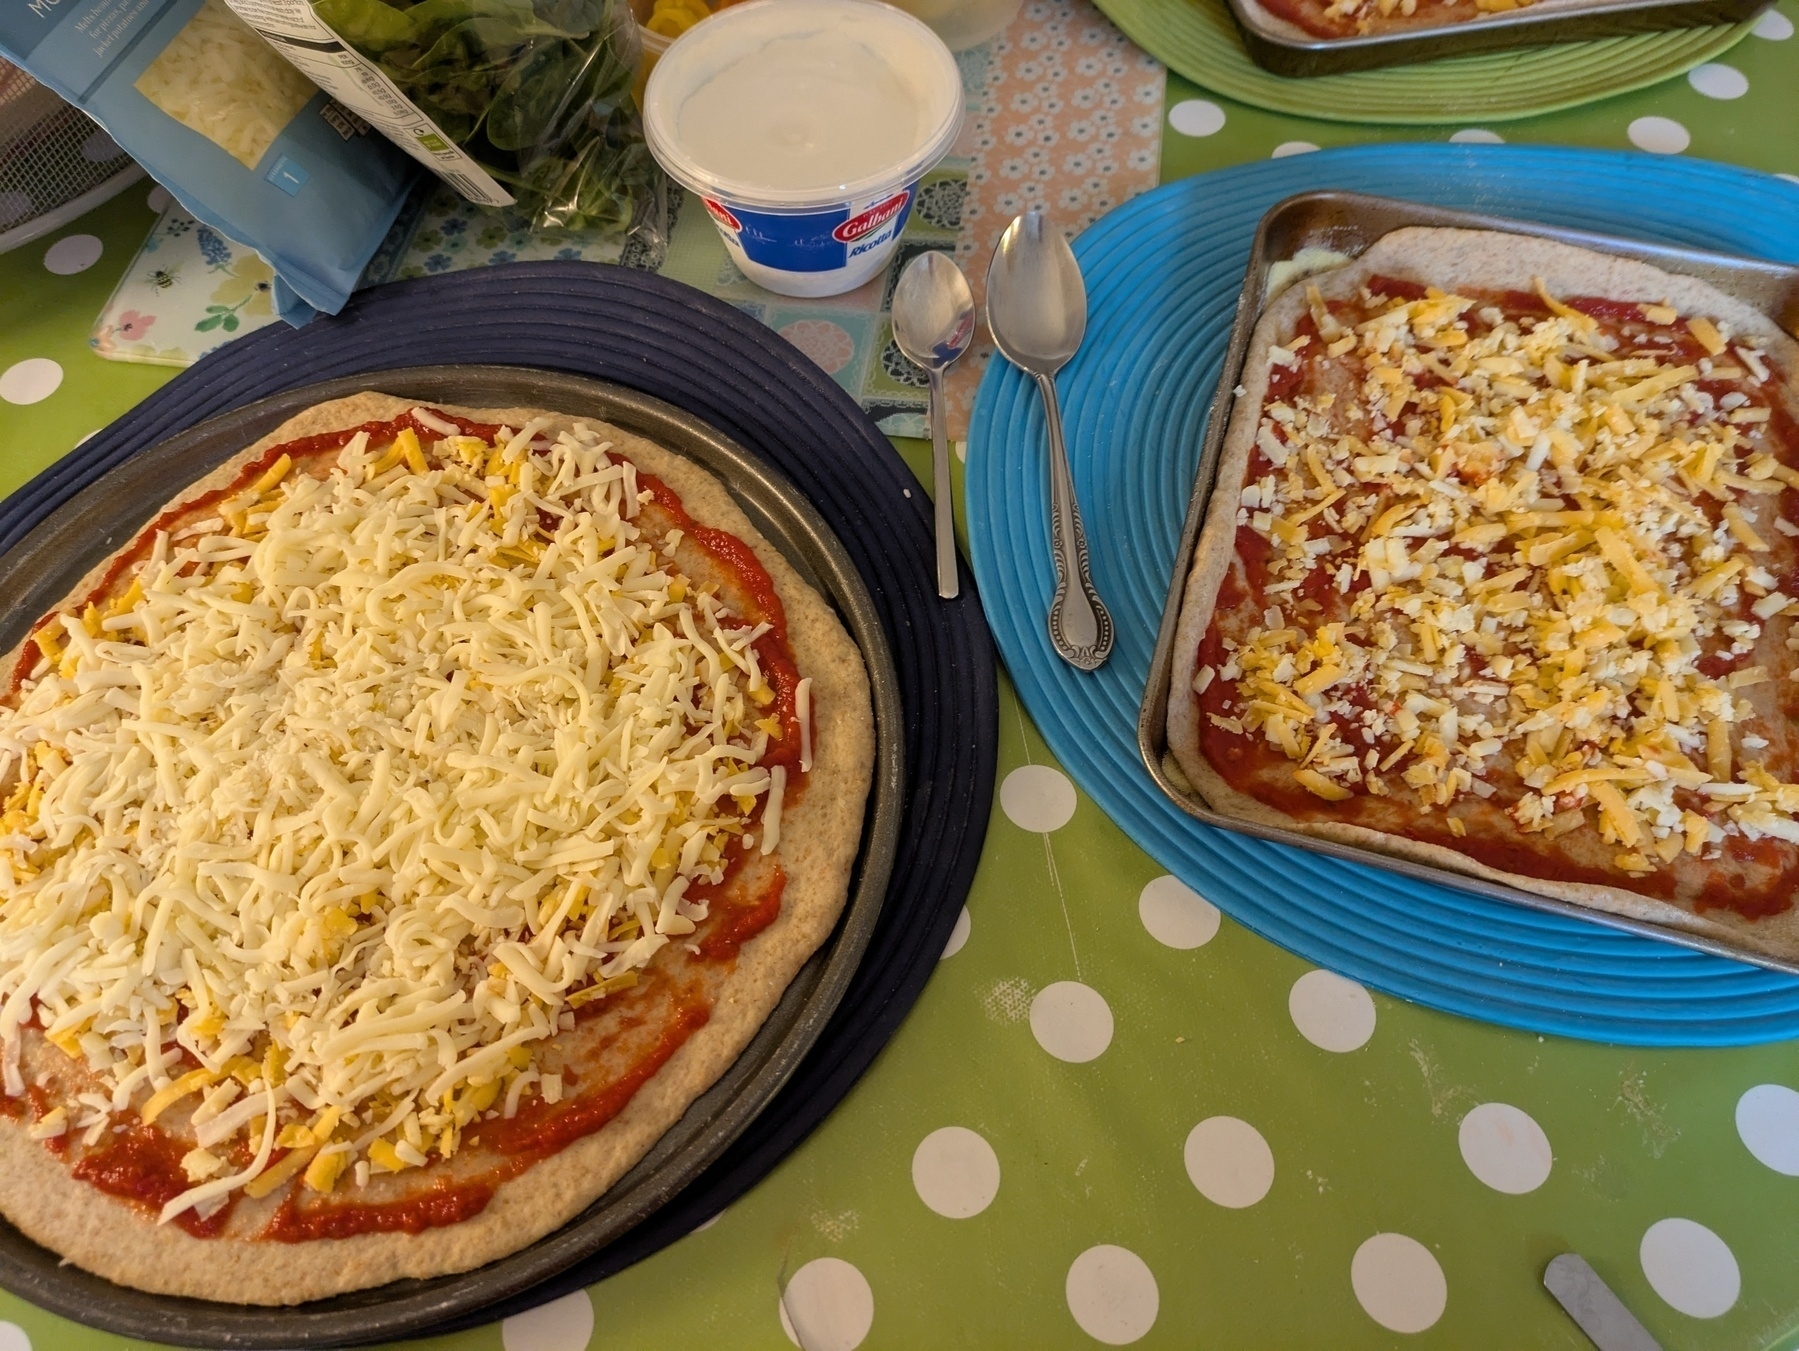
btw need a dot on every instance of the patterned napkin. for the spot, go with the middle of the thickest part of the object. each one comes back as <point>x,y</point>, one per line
<point>188,291</point>
<point>1070,120</point>
<point>1061,110</point>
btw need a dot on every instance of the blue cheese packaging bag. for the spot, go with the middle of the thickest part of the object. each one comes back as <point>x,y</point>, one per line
<point>246,142</point>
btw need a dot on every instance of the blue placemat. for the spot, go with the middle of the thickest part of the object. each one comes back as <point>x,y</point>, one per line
<point>1163,275</point>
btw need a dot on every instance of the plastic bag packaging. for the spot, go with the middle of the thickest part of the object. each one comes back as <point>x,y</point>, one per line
<point>249,145</point>
<point>524,102</point>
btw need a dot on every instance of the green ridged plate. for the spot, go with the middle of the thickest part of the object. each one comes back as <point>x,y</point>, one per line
<point>1199,39</point>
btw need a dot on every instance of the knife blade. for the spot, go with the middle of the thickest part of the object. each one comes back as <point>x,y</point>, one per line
<point>1595,1309</point>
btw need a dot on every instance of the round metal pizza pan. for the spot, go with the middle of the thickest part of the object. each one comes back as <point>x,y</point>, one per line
<point>40,568</point>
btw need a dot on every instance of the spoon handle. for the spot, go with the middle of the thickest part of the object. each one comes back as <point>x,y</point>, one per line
<point>948,585</point>
<point>1079,627</point>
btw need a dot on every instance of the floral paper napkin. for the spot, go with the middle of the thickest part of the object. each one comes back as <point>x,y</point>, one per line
<point>188,290</point>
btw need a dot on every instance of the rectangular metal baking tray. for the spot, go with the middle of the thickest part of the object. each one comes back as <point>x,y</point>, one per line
<point>1347,223</point>
<point>1282,47</point>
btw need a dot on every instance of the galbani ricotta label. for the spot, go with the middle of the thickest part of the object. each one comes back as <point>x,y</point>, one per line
<point>813,241</point>
<point>860,226</point>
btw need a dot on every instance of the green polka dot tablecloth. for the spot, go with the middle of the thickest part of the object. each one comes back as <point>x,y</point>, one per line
<point>1117,1118</point>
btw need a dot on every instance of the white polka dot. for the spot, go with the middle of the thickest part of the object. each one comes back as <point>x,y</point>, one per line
<point>99,148</point>
<point>1774,26</point>
<point>1229,1161</point>
<point>1398,1283</point>
<point>1071,1021</point>
<point>830,1302</point>
<point>1658,135</point>
<point>1690,1267</point>
<point>1176,914</point>
<point>14,206</point>
<point>1505,1148</point>
<point>1112,1294</point>
<point>1196,117</point>
<point>955,1172</point>
<point>958,936</point>
<point>564,1324</point>
<point>1477,136</point>
<point>13,1338</point>
<point>30,381</point>
<point>1718,81</point>
<point>75,253</point>
<point>1332,1013</point>
<point>1037,797</point>
<point>704,1225</point>
<point>1768,1122</point>
<point>159,199</point>
<point>1791,178</point>
<point>1286,148</point>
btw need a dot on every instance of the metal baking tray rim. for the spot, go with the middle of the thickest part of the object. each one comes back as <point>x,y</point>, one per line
<point>40,569</point>
<point>1269,247</point>
<point>1281,46</point>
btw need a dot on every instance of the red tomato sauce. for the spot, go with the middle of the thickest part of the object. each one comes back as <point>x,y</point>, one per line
<point>142,1165</point>
<point>443,1202</point>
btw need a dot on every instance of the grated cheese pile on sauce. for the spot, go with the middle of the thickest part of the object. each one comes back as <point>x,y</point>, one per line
<point>1533,562</point>
<point>358,792</point>
<point>1365,12</point>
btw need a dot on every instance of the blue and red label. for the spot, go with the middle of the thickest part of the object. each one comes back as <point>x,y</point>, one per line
<point>813,241</point>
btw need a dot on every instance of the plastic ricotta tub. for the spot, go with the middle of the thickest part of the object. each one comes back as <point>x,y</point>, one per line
<point>804,126</point>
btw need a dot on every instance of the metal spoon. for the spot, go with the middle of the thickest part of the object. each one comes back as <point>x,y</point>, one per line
<point>933,323</point>
<point>1037,309</point>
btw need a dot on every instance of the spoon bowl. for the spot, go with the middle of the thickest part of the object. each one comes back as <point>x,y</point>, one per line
<point>933,311</point>
<point>1036,298</point>
<point>933,323</point>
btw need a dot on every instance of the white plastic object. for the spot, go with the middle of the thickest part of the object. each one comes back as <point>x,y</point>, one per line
<point>818,238</point>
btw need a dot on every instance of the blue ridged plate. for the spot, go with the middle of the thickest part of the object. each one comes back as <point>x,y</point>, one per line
<point>1163,275</point>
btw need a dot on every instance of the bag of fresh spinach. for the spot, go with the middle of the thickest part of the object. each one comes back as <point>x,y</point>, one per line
<point>510,101</point>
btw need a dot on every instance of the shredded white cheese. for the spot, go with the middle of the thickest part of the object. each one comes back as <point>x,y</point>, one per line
<point>356,802</point>
<point>1554,532</point>
<point>219,78</point>
<point>802,700</point>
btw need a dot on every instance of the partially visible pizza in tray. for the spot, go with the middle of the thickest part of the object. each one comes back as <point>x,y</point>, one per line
<point>395,838</point>
<point>1310,20</point>
<point>1500,574</point>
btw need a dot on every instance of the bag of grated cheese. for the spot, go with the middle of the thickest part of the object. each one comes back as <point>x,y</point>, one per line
<point>248,144</point>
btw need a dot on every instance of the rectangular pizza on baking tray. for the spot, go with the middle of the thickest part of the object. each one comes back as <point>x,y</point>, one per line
<point>1499,574</point>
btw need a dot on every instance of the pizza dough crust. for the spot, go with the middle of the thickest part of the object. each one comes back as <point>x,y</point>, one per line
<point>1475,260</point>
<point>820,838</point>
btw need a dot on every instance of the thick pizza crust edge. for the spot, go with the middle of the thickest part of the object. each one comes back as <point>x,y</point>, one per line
<point>1475,259</point>
<point>820,838</point>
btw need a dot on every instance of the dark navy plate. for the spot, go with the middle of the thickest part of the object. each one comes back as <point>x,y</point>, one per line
<point>830,492</point>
